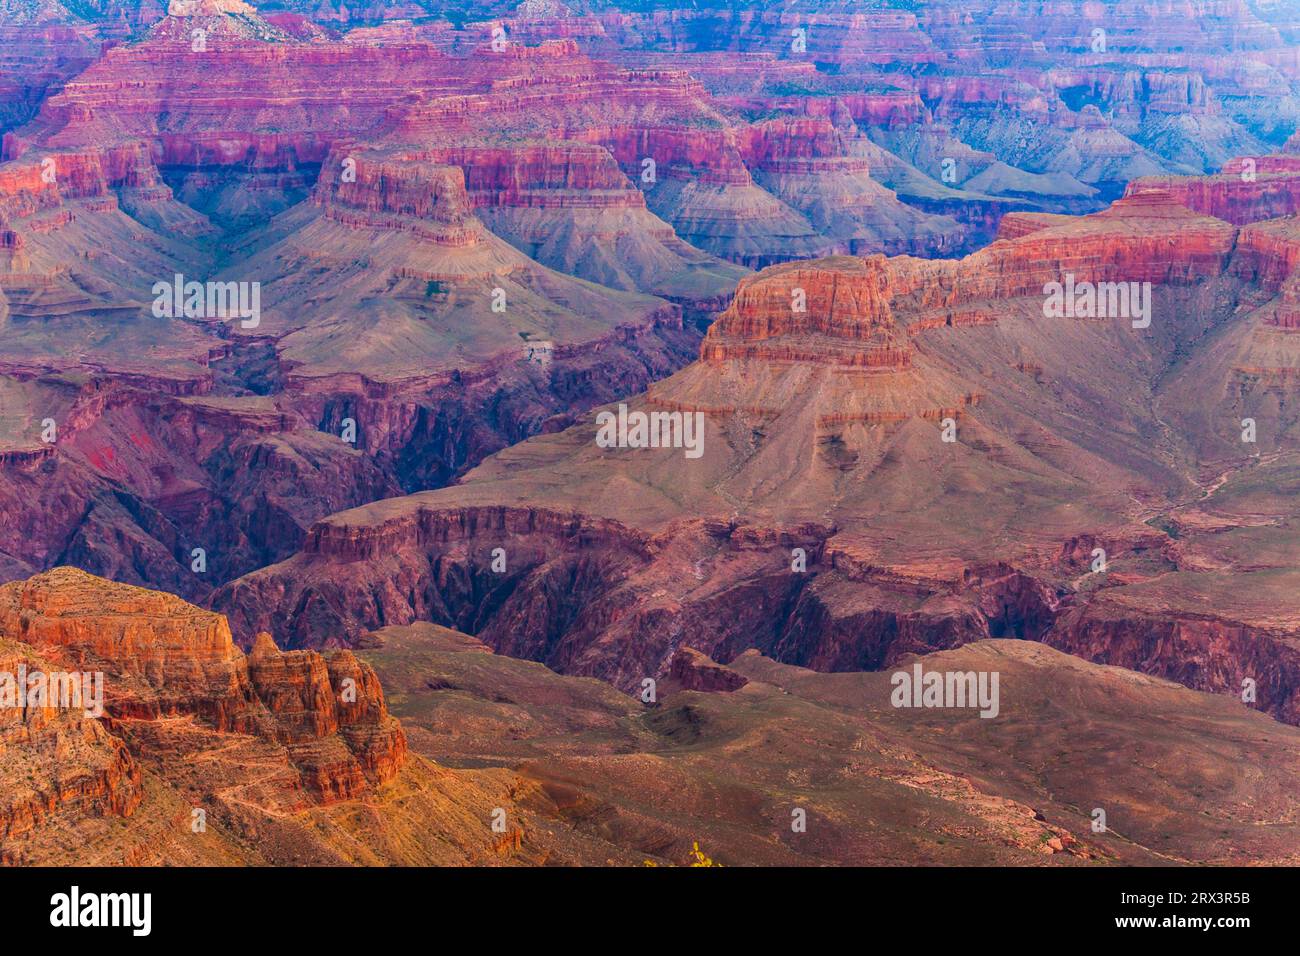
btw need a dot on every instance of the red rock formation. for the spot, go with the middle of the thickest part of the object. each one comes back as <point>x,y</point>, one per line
<point>398,194</point>
<point>694,671</point>
<point>1248,190</point>
<point>855,302</point>
<point>1268,253</point>
<point>321,774</point>
<point>42,183</point>
<point>57,762</point>
<point>164,658</point>
<point>540,175</point>
<point>852,306</point>
<point>1199,649</point>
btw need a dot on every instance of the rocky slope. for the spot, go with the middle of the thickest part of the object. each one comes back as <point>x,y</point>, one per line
<point>731,765</point>
<point>183,711</point>
<point>203,755</point>
<point>826,520</point>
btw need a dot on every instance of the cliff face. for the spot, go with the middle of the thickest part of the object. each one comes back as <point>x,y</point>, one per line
<point>593,597</point>
<point>1143,238</point>
<point>398,195</point>
<point>57,763</point>
<point>34,59</point>
<point>541,175</point>
<point>1249,189</point>
<point>140,477</point>
<point>239,480</point>
<point>163,658</point>
<point>183,655</point>
<point>204,756</point>
<point>1195,648</point>
<point>693,671</point>
<point>43,193</point>
<point>850,307</point>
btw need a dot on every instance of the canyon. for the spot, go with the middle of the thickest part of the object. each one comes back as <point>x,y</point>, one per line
<point>362,563</point>
<point>208,756</point>
<point>829,524</point>
<point>253,161</point>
